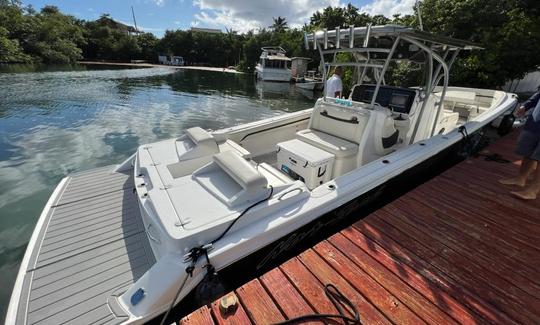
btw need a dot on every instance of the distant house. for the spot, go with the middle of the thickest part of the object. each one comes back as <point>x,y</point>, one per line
<point>299,66</point>
<point>206,30</point>
<point>171,60</point>
<point>163,59</point>
<point>105,20</point>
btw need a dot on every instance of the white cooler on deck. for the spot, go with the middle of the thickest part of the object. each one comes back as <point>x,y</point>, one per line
<point>302,161</point>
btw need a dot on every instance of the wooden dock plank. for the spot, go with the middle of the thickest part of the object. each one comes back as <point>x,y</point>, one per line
<point>400,289</point>
<point>201,316</point>
<point>501,271</point>
<point>308,286</point>
<point>286,296</point>
<point>463,306</point>
<point>238,317</point>
<point>259,306</point>
<point>503,225</point>
<point>368,311</point>
<point>493,238</point>
<point>457,249</point>
<point>451,264</point>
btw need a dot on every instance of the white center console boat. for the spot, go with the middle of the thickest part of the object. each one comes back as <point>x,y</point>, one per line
<point>219,197</point>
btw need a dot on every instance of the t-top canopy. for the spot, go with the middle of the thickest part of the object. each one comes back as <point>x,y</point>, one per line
<point>354,37</point>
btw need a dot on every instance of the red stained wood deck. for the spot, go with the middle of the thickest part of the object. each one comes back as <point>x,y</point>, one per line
<point>456,249</point>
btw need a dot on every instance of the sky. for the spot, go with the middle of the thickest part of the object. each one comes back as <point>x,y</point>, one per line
<point>156,16</point>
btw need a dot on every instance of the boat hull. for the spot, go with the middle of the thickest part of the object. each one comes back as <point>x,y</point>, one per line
<point>268,74</point>
<point>307,85</point>
<point>288,246</point>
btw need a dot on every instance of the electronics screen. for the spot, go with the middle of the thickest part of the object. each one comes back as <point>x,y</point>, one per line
<point>399,100</point>
<point>368,95</point>
<point>396,98</point>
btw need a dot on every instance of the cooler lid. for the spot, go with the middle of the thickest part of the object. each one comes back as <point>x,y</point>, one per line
<point>313,155</point>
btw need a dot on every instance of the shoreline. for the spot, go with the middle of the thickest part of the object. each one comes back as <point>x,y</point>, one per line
<point>151,65</point>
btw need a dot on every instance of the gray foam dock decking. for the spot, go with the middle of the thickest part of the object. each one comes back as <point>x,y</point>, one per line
<point>92,246</point>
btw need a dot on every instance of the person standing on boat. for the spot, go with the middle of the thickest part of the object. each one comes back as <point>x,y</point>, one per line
<point>334,85</point>
<point>528,146</point>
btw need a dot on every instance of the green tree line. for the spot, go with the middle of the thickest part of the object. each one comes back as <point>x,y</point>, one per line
<point>509,30</point>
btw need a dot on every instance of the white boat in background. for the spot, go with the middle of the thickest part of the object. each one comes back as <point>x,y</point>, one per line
<point>310,82</point>
<point>273,65</point>
<point>125,243</point>
<point>307,85</point>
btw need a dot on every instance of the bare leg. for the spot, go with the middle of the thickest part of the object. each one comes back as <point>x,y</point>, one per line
<point>527,167</point>
<point>531,191</point>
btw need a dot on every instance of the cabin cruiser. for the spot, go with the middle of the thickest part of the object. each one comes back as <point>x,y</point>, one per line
<point>273,65</point>
<point>123,244</point>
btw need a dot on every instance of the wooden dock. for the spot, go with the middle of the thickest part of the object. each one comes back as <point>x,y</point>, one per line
<point>456,249</point>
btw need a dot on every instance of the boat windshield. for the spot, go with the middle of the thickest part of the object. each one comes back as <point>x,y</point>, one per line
<point>275,64</point>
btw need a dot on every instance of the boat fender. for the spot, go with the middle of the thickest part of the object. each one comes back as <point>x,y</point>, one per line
<point>210,287</point>
<point>471,143</point>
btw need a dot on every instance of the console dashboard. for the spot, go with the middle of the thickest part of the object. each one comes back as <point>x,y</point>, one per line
<point>397,99</point>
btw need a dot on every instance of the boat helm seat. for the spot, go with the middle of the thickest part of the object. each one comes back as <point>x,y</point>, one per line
<point>337,130</point>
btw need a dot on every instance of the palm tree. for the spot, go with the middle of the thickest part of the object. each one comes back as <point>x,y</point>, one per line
<point>280,24</point>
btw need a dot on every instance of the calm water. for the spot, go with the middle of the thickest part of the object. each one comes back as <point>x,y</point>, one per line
<point>74,118</point>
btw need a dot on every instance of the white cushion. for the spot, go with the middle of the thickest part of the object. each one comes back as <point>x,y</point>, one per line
<point>199,135</point>
<point>337,146</point>
<point>240,170</point>
<point>199,143</point>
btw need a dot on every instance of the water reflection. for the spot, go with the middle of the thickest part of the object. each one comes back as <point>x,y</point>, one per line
<point>56,122</point>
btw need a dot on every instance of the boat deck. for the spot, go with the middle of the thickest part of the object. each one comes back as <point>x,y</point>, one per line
<point>456,249</point>
<point>92,240</point>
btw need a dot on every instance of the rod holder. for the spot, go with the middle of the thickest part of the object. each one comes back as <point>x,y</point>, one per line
<point>351,37</point>
<point>368,35</point>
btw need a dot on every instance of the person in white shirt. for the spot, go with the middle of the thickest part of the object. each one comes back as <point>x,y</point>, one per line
<point>334,86</point>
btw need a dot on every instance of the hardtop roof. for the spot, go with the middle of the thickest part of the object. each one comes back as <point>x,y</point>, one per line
<point>392,31</point>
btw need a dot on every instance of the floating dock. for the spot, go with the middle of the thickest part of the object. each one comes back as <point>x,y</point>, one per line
<point>92,245</point>
<point>456,249</point>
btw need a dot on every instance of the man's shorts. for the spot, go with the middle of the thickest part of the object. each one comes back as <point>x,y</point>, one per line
<point>528,145</point>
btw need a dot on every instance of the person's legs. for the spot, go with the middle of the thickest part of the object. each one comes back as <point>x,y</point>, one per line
<point>531,191</point>
<point>527,167</point>
<point>527,147</point>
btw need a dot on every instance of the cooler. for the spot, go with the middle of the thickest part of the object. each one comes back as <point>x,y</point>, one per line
<point>304,162</point>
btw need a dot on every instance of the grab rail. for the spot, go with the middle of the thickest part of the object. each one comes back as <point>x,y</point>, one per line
<point>352,120</point>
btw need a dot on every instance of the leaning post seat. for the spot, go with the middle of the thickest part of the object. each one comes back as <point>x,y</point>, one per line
<point>336,130</point>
